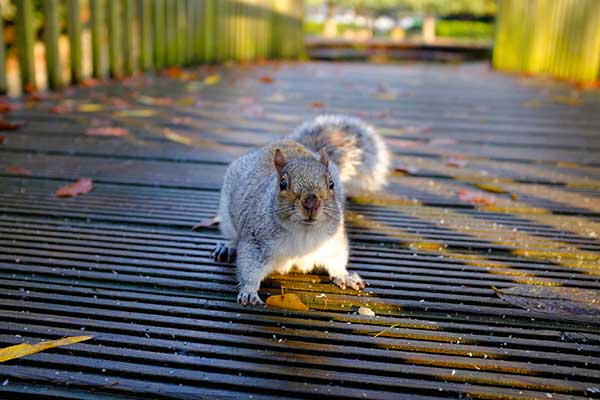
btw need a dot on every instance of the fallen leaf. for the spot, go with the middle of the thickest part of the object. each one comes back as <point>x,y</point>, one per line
<point>490,188</point>
<point>442,141</point>
<point>29,88</point>
<point>212,80</point>
<point>172,72</point>
<point>475,198</point>
<point>187,101</point>
<point>568,100</point>
<point>534,103</point>
<point>289,301</point>
<point>155,101</point>
<point>5,107</point>
<point>90,107</point>
<point>136,113</point>
<point>25,349</point>
<point>366,311</point>
<point>61,109</point>
<point>17,171</point>
<point>417,129</point>
<point>2,139</point>
<point>176,137</point>
<point>317,104</point>
<point>556,301</point>
<point>7,126</point>
<point>82,186</point>
<point>403,143</point>
<point>406,169</point>
<point>182,120</point>
<point>107,131</point>
<point>207,223</point>
<point>90,82</point>
<point>456,162</point>
<point>266,79</point>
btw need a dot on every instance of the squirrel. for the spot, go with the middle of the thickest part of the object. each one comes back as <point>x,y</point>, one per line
<point>282,205</point>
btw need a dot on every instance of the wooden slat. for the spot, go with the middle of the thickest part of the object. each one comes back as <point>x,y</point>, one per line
<point>51,32</point>
<point>3,85</point>
<point>146,37</point>
<point>74,31</point>
<point>115,39</point>
<point>98,24</point>
<point>160,44</point>
<point>128,33</point>
<point>25,42</point>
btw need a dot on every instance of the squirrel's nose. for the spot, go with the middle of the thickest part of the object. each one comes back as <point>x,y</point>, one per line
<point>311,203</point>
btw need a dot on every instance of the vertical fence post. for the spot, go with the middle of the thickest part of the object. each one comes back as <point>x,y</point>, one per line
<point>190,23</point>
<point>181,35</point>
<point>74,30</point>
<point>145,35</point>
<point>199,32</point>
<point>51,30</point>
<point>2,55</point>
<point>128,25</point>
<point>25,42</point>
<point>159,33</point>
<point>114,38</point>
<point>98,18</point>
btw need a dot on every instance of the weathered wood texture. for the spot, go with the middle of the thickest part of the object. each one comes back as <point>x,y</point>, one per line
<point>557,37</point>
<point>121,263</point>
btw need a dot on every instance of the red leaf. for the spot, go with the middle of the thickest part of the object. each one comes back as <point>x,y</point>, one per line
<point>107,131</point>
<point>82,186</point>
<point>61,109</point>
<point>17,171</point>
<point>7,126</point>
<point>476,198</point>
<point>90,82</point>
<point>207,223</point>
<point>456,162</point>
<point>316,104</point>
<point>2,139</point>
<point>266,79</point>
<point>5,107</point>
<point>173,72</point>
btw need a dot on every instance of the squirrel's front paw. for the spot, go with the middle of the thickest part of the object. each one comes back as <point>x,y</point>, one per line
<point>353,281</point>
<point>245,298</point>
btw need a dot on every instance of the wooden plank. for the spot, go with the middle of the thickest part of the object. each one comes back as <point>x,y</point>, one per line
<point>115,39</point>
<point>51,32</point>
<point>98,24</point>
<point>25,43</point>
<point>74,31</point>
<point>160,43</point>
<point>3,85</point>
<point>146,37</point>
<point>128,33</point>
<point>171,31</point>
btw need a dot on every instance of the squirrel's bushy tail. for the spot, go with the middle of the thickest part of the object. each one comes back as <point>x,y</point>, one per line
<point>358,151</point>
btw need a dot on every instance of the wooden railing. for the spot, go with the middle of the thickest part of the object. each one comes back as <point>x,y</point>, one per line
<point>126,36</point>
<point>556,37</point>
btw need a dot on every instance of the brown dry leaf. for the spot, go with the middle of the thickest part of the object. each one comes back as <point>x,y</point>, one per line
<point>90,82</point>
<point>317,104</point>
<point>2,139</point>
<point>82,186</point>
<point>290,301</point>
<point>7,126</point>
<point>136,113</point>
<point>172,72</point>
<point>406,169</point>
<point>207,223</point>
<point>456,162</point>
<point>25,349</point>
<point>476,198</point>
<point>155,101</point>
<point>5,107</point>
<point>107,131</point>
<point>17,171</point>
<point>559,302</point>
<point>266,79</point>
<point>568,100</point>
<point>61,109</point>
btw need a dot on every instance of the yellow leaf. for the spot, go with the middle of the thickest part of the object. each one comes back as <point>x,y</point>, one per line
<point>25,349</point>
<point>490,188</point>
<point>139,113</point>
<point>176,137</point>
<point>289,301</point>
<point>568,100</point>
<point>90,107</point>
<point>212,80</point>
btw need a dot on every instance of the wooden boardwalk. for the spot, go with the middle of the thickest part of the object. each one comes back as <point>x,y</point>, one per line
<point>121,263</point>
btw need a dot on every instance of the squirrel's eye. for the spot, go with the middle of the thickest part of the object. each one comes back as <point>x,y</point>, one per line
<point>331,184</point>
<point>282,184</point>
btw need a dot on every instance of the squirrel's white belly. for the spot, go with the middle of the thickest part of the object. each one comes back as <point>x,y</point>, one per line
<point>307,250</point>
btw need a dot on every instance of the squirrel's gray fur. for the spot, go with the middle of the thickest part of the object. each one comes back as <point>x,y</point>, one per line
<point>282,205</point>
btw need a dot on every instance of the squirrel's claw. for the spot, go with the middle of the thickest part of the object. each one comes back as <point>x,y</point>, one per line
<point>249,298</point>
<point>224,253</point>
<point>353,281</point>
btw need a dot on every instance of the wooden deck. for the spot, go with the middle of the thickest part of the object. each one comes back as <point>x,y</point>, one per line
<point>121,263</point>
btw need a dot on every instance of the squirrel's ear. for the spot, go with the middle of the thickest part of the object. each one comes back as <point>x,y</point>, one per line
<point>324,158</point>
<point>279,161</point>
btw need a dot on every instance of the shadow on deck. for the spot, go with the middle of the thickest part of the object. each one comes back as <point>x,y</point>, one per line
<point>496,186</point>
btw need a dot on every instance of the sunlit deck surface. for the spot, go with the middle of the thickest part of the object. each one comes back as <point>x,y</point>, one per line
<point>122,264</point>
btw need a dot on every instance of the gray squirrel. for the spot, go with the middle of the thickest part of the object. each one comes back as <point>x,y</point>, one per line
<point>282,205</point>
